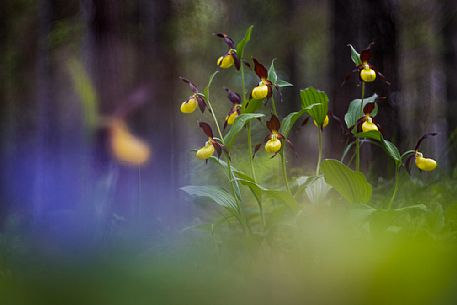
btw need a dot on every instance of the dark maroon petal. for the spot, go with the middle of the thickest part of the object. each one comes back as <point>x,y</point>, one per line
<point>247,64</point>
<point>191,85</point>
<point>305,121</point>
<point>425,136</point>
<point>201,103</point>
<point>276,153</point>
<point>408,164</point>
<point>291,144</point>
<point>365,55</point>
<point>236,61</point>
<point>218,148</point>
<point>234,97</point>
<point>206,129</point>
<point>383,78</point>
<point>256,149</point>
<point>230,43</point>
<point>368,108</point>
<point>225,122</point>
<point>273,123</point>
<point>280,136</point>
<point>260,69</point>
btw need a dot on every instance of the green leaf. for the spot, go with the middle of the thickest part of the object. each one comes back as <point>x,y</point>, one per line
<point>215,193</point>
<point>282,83</point>
<point>355,110</point>
<point>239,123</point>
<point>372,134</point>
<point>310,96</point>
<point>252,106</point>
<point>86,92</point>
<point>210,81</point>
<point>272,76</point>
<point>280,195</point>
<point>288,122</point>
<point>392,151</point>
<point>242,44</point>
<point>355,56</point>
<point>352,185</point>
<point>317,190</point>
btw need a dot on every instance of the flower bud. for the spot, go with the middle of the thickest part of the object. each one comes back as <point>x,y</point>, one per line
<point>367,74</point>
<point>425,164</point>
<point>206,151</point>
<point>273,145</point>
<point>189,106</point>
<point>225,61</point>
<point>231,118</point>
<point>260,92</point>
<point>326,120</point>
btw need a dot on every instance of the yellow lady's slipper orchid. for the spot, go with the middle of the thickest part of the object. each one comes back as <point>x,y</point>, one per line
<point>368,125</point>
<point>194,100</point>
<point>189,106</point>
<point>206,151</point>
<point>231,118</point>
<point>230,58</point>
<point>127,148</point>
<point>260,92</point>
<point>211,144</point>
<point>425,164</point>
<point>273,145</point>
<point>234,112</point>
<point>367,74</point>
<point>326,121</point>
<point>225,61</point>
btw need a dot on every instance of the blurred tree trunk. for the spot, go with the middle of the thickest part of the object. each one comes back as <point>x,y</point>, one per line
<point>449,19</point>
<point>158,69</point>
<point>122,59</point>
<point>423,82</point>
<point>359,23</point>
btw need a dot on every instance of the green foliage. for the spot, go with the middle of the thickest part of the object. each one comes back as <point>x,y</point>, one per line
<point>273,77</point>
<point>208,86</point>
<point>392,151</point>
<point>352,185</point>
<point>311,96</point>
<point>355,111</point>
<point>288,122</point>
<point>217,194</point>
<point>242,43</point>
<point>355,56</point>
<point>238,125</point>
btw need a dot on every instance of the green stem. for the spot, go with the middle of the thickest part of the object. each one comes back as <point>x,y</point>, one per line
<point>357,160</point>
<point>229,167</point>
<point>283,157</point>
<point>284,170</point>
<point>394,194</point>
<point>251,158</point>
<point>319,159</point>
<point>357,154</point>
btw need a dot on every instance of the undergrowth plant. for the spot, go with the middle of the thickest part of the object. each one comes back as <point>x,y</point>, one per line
<point>259,106</point>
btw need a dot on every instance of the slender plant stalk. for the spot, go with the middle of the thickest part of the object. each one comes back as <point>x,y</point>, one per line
<point>319,159</point>
<point>229,167</point>
<point>251,160</point>
<point>394,194</point>
<point>281,153</point>
<point>357,146</point>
